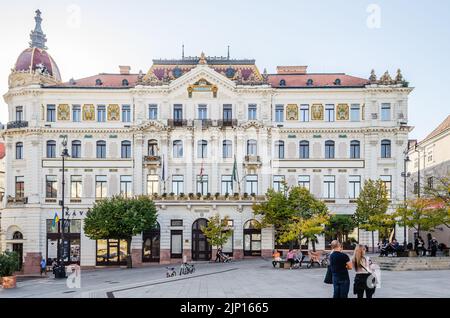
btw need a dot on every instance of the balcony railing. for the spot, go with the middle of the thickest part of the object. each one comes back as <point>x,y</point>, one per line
<point>228,122</point>
<point>252,159</point>
<point>17,200</point>
<point>17,124</point>
<point>203,123</point>
<point>177,122</point>
<point>152,159</point>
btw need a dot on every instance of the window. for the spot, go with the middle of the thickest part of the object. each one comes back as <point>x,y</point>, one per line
<point>329,187</point>
<point>227,112</point>
<point>387,181</point>
<point>329,112</point>
<point>176,222</point>
<point>329,149</point>
<point>202,112</point>
<point>304,113</point>
<point>76,113</point>
<point>98,82</point>
<point>226,149</point>
<point>251,184</point>
<point>202,149</point>
<point>177,184</point>
<point>309,82</point>
<point>20,187</point>
<point>202,184</point>
<point>76,149</point>
<point>75,187</point>
<point>279,113</point>
<point>125,82</point>
<point>354,112</point>
<point>303,181</point>
<point>252,112</point>
<point>430,182</point>
<point>385,148</point>
<point>126,113</point>
<point>19,150</point>
<point>227,184</point>
<point>278,183</point>
<point>282,82</point>
<point>126,149</point>
<point>279,149</point>
<point>178,149</point>
<point>354,186</point>
<point>355,149</point>
<point>51,111</point>
<point>153,111</point>
<point>125,186</point>
<point>304,149</point>
<point>385,111</point>
<point>51,188</point>
<point>251,147</point>
<point>101,113</point>
<point>152,184</point>
<point>101,149</point>
<point>178,112</point>
<point>51,149</point>
<point>100,187</point>
<point>19,113</point>
<point>176,243</point>
<point>152,147</point>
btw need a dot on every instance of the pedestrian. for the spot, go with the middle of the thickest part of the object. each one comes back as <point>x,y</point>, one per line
<point>218,255</point>
<point>340,263</point>
<point>276,257</point>
<point>433,246</point>
<point>291,258</point>
<point>43,267</point>
<point>422,246</point>
<point>361,264</point>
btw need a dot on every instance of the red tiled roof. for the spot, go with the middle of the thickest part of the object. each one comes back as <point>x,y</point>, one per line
<point>319,80</point>
<point>441,128</point>
<point>2,150</point>
<point>108,80</point>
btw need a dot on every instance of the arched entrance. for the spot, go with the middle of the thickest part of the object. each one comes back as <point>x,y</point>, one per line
<point>18,247</point>
<point>252,238</point>
<point>201,251</point>
<point>151,245</point>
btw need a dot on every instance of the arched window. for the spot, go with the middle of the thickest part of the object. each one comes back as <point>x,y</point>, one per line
<point>337,82</point>
<point>329,149</point>
<point>17,236</point>
<point>282,82</point>
<point>178,149</point>
<point>309,82</point>
<point>385,148</point>
<point>252,147</point>
<point>355,149</point>
<point>76,149</point>
<point>126,149</point>
<point>152,147</point>
<point>101,149</point>
<point>19,150</point>
<point>98,82</point>
<point>279,149</point>
<point>304,149</point>
<point>252,238</point>
<point>51,149</point>
<point>226,149</point>
<point>125,82</point>
<point>202,149</point>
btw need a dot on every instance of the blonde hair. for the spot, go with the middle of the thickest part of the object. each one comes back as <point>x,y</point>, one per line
<point>335,244</point>
<point>358,255</point>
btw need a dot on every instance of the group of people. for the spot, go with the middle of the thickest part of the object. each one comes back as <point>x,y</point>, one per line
<point>420,249</point>
<point>387,247</point>
<point>292,257</point>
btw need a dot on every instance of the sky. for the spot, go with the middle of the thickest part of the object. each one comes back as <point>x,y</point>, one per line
<point>351,36</point>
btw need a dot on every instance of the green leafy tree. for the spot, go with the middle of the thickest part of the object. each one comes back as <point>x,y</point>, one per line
<point>340,226</point>
<point>120,218</point>
<point>217,231</point>
<point>9,263</point>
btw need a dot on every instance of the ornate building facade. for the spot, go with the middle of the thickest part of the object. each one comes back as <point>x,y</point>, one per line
<point>174,133</point>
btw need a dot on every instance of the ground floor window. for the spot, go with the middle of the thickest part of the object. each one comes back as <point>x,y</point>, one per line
<point>72,241</point>
<point>252,238</point>
<point>176,244</point>
<point>112,252</point>
<point>227,248</point>
<point>151,245</point>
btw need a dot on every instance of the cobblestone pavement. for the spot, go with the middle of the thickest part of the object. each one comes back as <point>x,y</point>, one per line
<point>243,279</point>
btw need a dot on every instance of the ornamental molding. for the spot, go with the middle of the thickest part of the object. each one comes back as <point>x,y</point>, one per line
<point>252,124</point>
<point>152,125</point>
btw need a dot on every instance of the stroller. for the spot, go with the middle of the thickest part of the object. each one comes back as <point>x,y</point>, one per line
<point>223,257</point>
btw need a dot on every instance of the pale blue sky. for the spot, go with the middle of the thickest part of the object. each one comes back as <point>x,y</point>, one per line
<point>326,35</point>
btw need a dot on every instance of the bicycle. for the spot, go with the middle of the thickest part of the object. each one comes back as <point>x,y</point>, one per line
<point>186,268</point>
<point>171,272</point>
<point>325,261</point>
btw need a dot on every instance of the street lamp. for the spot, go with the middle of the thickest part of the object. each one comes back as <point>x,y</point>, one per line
<point>416,149</point>
<point>405,175</point>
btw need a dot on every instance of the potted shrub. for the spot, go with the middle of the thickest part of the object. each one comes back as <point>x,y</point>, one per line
<point>199,195</point>
<point>171,195</point>
<point>227,195</point>
<point>208,196</point>
<point>9,263</point>
<point>181,195</point>
<point>245,195</point>
<point>191,195</point>
<point>216,195</point>
<point>236,196</point>
<point>164,195</point>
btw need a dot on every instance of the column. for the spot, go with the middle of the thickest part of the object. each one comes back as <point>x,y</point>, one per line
<point>138,181</point>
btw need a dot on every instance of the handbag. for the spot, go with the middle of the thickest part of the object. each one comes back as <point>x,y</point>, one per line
<point>328,276</point>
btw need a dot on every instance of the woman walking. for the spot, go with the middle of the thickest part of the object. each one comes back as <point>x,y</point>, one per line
<point>363,282</point>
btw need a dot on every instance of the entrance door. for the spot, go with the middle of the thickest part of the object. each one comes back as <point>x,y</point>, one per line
<point>111,252</point>
<point>201,251</point>
<point>151,245</point>
<point>252,238</point>
<point>18,248</point>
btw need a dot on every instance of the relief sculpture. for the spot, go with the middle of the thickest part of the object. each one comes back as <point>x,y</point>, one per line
<point>113,112</point>
<point>63,112</point>
<point>342,112</point>
<point>317,112</point>
<point>88,112</point>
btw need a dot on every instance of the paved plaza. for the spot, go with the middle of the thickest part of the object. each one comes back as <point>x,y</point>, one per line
<point>243,279</point>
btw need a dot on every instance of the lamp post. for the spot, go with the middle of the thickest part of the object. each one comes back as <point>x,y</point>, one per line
<point>62,270</point>
<point>405,175</point>
<point>416,149</point>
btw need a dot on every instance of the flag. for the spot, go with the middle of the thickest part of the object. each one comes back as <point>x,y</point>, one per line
<point>202,171</point>
<point>234,176</point>
<point>55,220</point>
<point>163,170</point>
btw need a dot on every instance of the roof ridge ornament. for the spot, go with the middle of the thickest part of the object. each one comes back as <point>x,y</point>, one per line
<point>37,36</point>
<point>202,60</point>
<point>373,76</point>
<point>399,78</point>
<point>386,79</point>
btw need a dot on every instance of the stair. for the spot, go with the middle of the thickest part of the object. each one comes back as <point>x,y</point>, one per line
<point>412,263</point>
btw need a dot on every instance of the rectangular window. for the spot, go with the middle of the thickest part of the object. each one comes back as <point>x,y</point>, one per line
<point>153,111</point>
<point>251,184</point>
<point>178,112</point>
<point>354,186</point>
<point>152,184</point>
<point>329,187</point>
<point>202,184</point>
<point>227,184</point>
<point>387,180</point>
<point>252,112</point>
<point>126,113</point>
<point>101,113</point>
<point>304,181</point>
<point>176,244</point>
<point>227,113</point>
<point>75,187</point>
<point>226,150</point>
<point>51,113</point>
<point>279,113</point>
<point>76,113</point>
<point>385,111</point>
<point>304,113</point>
<point>51,188</point>
<point>278,183</point>
<point>19,150</point>
<point>176,222</point>
<point>19,113</point>
<point>100,187</point>
<point>202,112</point>
<point>329,112</point>
<point>354,112</point>
<point>125,186</point>
<point>20,187</point>
<point>177,184</point>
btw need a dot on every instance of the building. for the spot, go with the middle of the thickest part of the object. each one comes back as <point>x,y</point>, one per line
<point>2,182</point>
<point>173,132</point>
<point>429,160</point>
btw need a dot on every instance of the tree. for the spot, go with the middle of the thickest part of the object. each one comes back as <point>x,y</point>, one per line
<point>340,226</point>
<point>372,205</point>
<point>120,218</point>
<point>217,231</point>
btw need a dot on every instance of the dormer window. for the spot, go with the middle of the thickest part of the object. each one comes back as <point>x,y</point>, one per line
<point>309,82</point>
<point>282,82</point>
<point>337,81</point>
<point>125,82</point>
<point>98,82</point>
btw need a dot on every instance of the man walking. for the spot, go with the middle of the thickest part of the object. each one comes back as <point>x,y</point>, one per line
<point>340,263</point>
<point>43,267</point>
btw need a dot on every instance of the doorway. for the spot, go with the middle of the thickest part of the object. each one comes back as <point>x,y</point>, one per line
<point>201,251</point>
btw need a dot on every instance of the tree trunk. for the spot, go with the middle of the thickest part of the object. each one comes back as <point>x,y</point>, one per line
<point>373,242</point>
<point>129,259</point>
<point>313,241</point>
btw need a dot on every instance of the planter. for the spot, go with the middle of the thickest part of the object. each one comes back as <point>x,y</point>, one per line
<point>9,282</point>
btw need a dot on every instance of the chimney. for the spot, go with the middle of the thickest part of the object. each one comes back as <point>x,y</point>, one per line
<point>124,70</point>
<point>291,69</point>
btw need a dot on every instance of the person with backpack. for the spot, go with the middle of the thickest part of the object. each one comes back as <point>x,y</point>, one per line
<point>340,263</point>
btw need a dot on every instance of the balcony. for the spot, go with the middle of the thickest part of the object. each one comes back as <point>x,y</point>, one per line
<point>17,124</point>
<point>227,123</point>
<point>177,123</point>
<point>203,123</point>
<point>152,160</point>
<point>252,161</point>
<point>17,200</point>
